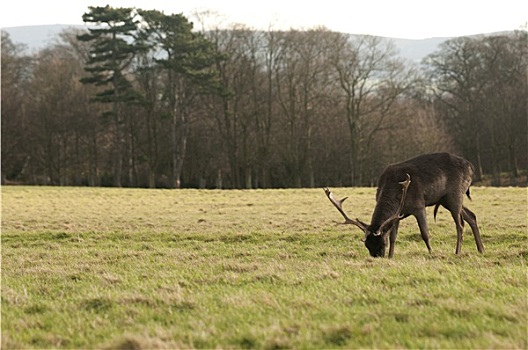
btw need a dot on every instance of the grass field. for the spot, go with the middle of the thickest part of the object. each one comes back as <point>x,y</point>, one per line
<point>165,269</point>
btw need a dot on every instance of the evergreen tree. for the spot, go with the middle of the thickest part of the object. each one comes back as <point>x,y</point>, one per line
<point>112,51</point>
<point>187,58</point>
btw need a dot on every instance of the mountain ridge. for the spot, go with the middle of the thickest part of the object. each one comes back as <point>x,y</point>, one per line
<point>37,37</point>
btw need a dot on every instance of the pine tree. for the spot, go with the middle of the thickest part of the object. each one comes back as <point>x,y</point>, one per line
<point>188,59</point>
<point>113,48</point>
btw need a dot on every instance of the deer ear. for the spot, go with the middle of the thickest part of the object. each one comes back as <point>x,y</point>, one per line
<point>382,233</point>
<point>367,233</point>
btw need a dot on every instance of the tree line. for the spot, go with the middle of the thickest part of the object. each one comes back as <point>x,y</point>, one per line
<point>143,99</point>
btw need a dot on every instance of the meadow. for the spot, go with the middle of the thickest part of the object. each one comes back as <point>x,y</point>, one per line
<point>167,269</point>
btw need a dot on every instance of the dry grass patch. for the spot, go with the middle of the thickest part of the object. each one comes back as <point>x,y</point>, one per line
<point>141,269</point>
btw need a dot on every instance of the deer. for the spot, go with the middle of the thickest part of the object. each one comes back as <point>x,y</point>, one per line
<point>407,188</point>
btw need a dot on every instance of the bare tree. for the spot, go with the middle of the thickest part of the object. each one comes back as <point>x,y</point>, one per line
<point>423,131</point>
<point>265,121</point>
<point>87,126</point>
<point>481,82</point>
<point>239,103</point>
<point>455,71</point>
<point>301,81</point>
<point>15,75</point>
<point>55,85</point>
<point>371,77</point>
<point>504,106</point>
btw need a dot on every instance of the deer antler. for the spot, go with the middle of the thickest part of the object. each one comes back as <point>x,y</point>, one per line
<point>398,215</point>
<point>338,204</point>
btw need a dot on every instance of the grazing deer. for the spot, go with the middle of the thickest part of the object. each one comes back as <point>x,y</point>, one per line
<point>408,187</point>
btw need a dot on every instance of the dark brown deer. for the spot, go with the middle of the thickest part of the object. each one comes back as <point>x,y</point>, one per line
<point>407,188</point>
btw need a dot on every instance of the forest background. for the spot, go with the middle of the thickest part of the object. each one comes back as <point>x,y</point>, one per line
<point>145,99</point>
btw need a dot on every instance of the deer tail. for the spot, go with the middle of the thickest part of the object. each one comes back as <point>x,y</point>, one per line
<point>468,194</point>
<point>436,210</point>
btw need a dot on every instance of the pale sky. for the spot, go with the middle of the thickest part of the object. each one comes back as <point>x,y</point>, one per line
<point>411,19</point>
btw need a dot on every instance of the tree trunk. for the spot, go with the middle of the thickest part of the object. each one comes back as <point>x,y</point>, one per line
<point>152,148</point>
<point>118,153</point>
<point>174,178</point>
<point>514,173</point>
<point>354,158</point>
<point>249,182</point>
<point>129,152</point>
<point>179,146</point>
<point>219,180</point>
<point>92,160</point>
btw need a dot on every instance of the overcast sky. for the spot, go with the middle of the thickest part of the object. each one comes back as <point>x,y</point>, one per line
<point>412,19</point>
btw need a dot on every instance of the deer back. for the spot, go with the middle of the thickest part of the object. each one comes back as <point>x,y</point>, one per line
<point>434,176</point>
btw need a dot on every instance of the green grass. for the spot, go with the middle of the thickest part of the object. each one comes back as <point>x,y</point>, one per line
<point>165,269</point>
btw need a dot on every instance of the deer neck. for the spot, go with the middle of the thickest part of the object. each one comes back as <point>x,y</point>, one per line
<point>385,208</point>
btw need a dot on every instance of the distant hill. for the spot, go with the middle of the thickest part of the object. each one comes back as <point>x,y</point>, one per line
<point>416,49</point>
<point>37,37</point>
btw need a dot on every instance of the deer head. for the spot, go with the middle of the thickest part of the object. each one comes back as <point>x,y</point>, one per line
<point>375,234</point>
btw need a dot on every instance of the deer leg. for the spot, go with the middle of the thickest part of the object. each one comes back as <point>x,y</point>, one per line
<point>421,218</point>
<point>471,219</point>
<point>392,238</point>
<point>457,217</point>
